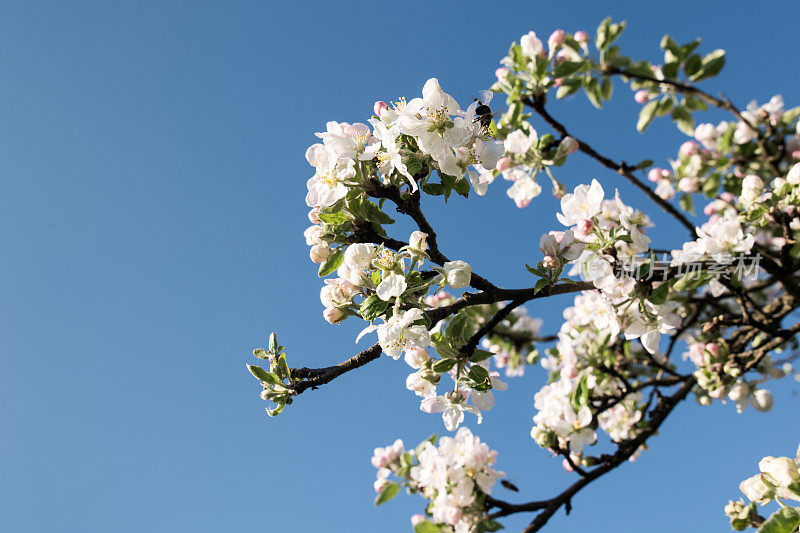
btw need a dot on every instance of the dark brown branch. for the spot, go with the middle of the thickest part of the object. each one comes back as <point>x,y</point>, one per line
<point>314,377</point>
<point>410,205</point>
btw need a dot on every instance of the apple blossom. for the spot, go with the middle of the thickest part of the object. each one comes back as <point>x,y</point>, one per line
<point>457,274</point>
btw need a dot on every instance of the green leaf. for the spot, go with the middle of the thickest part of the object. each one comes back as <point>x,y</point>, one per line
<point>444,365</point>
<point>478,374</point>
<point>606,88</point>
<point>568,88</point>
<point>461,186</point>
<point>434,189</point>
<point>692,65</point>
<point>388,492</point>
<point>277,410</point>
<point>686,203</point>
<point>684,120</point>
<point>541,284</point>
<point>646,115</point>
<point>567,67</point>
<point>480,355</point>
<point>690,281</point>
<point>659,294</point>
<point>336,218</point>
<point>372,307</point>
<point>331,263</point>
<point>491,526</point>
<point>283,367</point>
<point>261,353</point>
<point>373,213</point>
<point>601,37</point>
<point>592,89</point>
<point>669,44</point>
<point>783,520</point>
<point>262,375</point>
<point>711,65</point>
<point>460,328</point>
<point>426,527</point>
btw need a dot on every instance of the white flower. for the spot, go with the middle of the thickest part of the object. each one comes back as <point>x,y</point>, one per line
<point>524,188</point>
<point>357,258</point>
<point>418,241</point>
<point>353,141</point>
<point>648,329</point>
<point>755,490</point>
<point>752,186</point>
<point>419,385</point>
<point>390,159</point>
<point>429,119</point>
<point>452,411</point>
<point>481,179</point>
<point>383,457</point>
<point>326,186</point>
<point>485,400</point>
<point>793,177</point>
<point>314,235</point>
<point>762,400</point>
<point>518,142</point>
<point>457,274</point>
<point>584,203</point>
<point>416,357</point>
<point>561,244</point>
<point>531,45</point>
<point>392,286</point>
<point>399,333</point>
<point>780,471</point>
<point>337,292</point>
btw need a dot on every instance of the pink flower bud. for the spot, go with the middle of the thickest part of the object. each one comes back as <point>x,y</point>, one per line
<point>688,149</point>
<point>581,37</point>
<point>380,484</point>
<point>687,185</point>
<point>503,164</point>
<point>319,253</point>
<point>313,216</point>
<point>570,145</point>
<point>549,261</point>
<point>654,174</point>
<point>417,519</point>
<point>556,39</point>
<point>566,465</point>
<point>333,315</point>
<point>501,73</point>
<point>712,348</point>
<point>709,210</point>
<point>585,227</point>
<point>727,196</point>
<point>380,105</point>
<point>641,96</point>
<point>557,82</point>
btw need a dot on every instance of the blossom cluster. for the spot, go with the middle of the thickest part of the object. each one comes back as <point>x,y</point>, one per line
<point>454,474</point>
<point>779,479</point>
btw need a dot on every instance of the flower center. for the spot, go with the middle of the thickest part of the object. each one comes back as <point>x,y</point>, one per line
<point>329,179</point>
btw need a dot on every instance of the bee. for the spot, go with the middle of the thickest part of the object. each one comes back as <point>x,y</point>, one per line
<point>483,113</point>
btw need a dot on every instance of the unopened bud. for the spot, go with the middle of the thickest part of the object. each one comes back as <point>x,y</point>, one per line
<point>503,163</point>
<point>581,37</point>
<point>333,315</point>
<point>380,105</point>
<point>319,253</point>
<point>641,96</point>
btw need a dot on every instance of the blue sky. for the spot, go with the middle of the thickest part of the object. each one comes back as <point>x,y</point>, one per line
<point>151,209</point>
